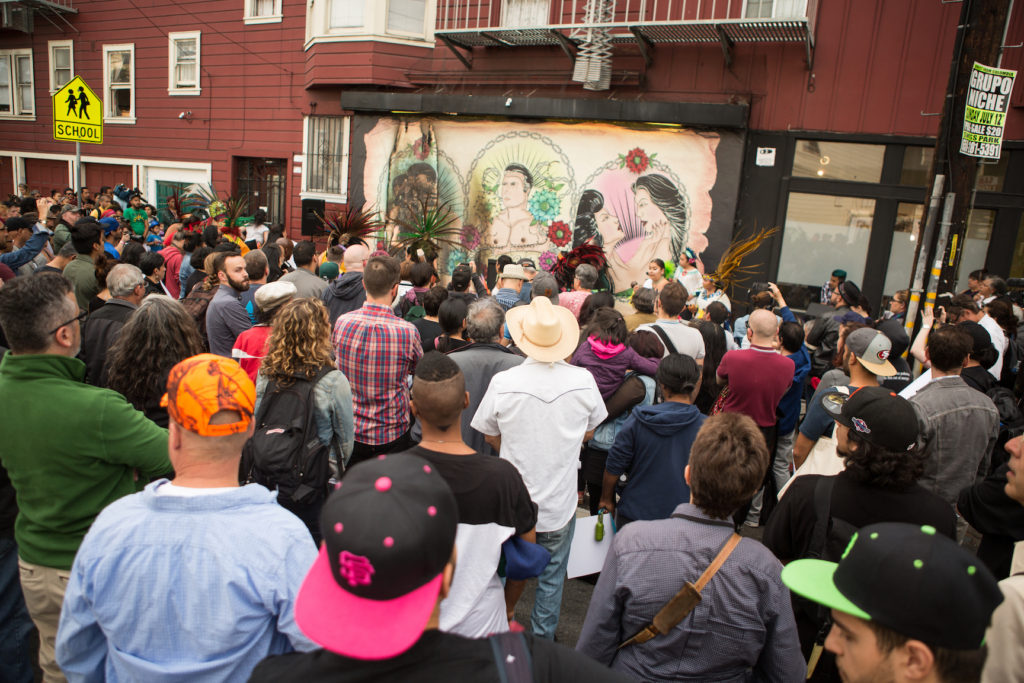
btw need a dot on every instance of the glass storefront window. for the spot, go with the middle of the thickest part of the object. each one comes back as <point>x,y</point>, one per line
<point>917,162</point>
<point>909,218</point>
<point>838,161</point>
<point>822,233</point>
<point>991,176</point>
<point>975,249</point>
<point>1017,265</point>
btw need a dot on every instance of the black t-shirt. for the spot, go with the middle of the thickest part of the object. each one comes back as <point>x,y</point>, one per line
<point>903,377</point>
<point>436,656</point>
<point>789,529</point>
<point>487,490</point>
<point>429,330</point>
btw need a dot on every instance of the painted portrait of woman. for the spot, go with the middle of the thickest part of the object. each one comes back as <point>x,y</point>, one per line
<point>663,212</point>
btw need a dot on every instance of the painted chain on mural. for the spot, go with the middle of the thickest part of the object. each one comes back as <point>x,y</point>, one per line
<point>542,188</point>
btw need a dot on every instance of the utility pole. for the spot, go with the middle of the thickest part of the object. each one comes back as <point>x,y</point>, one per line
<point>979,39</point>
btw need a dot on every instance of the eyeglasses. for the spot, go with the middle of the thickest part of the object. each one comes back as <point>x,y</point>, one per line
<point>80,318</point>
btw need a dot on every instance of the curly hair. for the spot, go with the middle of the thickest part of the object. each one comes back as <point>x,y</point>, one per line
<point>881,468</point>
<point>157,336</point>
<point>300,341</point>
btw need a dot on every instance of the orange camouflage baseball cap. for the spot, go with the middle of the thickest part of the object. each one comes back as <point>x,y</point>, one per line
<point>201,386</point>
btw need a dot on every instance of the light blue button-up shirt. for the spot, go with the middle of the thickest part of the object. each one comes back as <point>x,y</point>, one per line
<point>184,588</point>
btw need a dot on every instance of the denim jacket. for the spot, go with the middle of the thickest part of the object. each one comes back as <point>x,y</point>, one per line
<point>604,436</point>
<point>333,397</point>
<point>959,427</point>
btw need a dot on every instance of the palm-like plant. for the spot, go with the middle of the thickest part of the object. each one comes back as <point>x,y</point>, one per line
<point>431,226</point>
<point>353,222</point>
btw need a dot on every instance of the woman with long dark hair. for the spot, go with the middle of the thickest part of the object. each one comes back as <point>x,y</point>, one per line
<point>157,336</point>
<point>714,349</point>
<point>662,207</point>
<point>300,347</point>
<point>452,317</point>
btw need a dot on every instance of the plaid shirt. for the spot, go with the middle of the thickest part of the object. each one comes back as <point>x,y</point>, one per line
<point>377,351</point>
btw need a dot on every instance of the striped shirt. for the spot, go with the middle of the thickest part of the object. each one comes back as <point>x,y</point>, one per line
<point>377,351</point>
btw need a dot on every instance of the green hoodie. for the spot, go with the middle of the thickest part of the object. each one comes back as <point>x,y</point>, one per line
<point>70,449</point>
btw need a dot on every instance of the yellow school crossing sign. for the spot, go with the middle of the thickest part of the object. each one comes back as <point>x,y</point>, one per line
<point>77,113</point>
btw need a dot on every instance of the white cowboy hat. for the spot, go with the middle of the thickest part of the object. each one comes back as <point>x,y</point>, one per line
<point>544,332</point>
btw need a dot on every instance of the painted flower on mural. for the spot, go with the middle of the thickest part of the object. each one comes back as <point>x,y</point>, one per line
<point>544,206</point>
<point>471,237</point>
<point>559,233</point>
<point>455,257</point>
<point>636,160</point>
<point>421,148</point>
<point>547,260</point>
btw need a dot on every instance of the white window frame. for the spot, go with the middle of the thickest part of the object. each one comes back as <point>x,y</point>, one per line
<point>374,28</point>
<point>250,17</point>
<point>307,159</point>
<point>50,47</point>
<point>172,87</point>
<point>107,99</point>
<point>19,110</point>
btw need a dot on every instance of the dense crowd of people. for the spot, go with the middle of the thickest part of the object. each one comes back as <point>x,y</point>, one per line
<point>231,456</point>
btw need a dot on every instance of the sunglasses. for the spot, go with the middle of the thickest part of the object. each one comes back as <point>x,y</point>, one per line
<point>80,318</point>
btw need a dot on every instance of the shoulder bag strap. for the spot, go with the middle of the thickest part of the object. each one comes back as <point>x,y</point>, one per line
<point>664,338</point>
<point>683,602</point>
<point>822,514</point>
<point>512,658</point>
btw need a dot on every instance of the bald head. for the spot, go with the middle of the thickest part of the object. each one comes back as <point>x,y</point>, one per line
<point>763,326</point>
<point>355,258</point>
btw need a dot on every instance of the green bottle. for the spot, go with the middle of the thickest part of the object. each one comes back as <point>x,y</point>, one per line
<point>599,529</point>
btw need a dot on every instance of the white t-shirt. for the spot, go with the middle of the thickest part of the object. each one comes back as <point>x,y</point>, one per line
<point>998,341</point>
<point>256,232</point>
<point>687,340</point>
<point>691,279</point>
<point>542,411</point>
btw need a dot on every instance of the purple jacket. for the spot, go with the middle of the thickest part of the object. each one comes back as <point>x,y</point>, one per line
<point>608,363</point>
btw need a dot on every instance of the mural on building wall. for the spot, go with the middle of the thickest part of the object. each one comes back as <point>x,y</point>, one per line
<point>537,189</point>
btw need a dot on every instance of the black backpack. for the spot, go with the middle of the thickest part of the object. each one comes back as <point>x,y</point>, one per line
<point>1010,417</point>
<point>284,453</point>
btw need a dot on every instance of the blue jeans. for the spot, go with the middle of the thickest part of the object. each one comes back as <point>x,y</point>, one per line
<point>15,624</point>
<point>548,602</point>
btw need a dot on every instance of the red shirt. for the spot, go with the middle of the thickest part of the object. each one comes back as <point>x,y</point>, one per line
<point>251,348</point>
<point>172,259</point>
<point>758,379</point>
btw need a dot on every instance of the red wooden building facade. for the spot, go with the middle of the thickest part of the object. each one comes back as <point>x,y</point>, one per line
<point>275,97</point>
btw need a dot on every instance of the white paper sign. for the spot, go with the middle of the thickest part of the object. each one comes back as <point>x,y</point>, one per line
<point>765,156</point>
<point>586,556</point>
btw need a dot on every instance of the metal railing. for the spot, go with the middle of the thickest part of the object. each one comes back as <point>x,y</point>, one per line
<point>483,15</point>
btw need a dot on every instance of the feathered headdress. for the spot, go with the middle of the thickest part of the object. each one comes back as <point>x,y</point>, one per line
<point>565,267</point>
<point>202,199</point>
<point>353,222</point>
<point>731,270</point>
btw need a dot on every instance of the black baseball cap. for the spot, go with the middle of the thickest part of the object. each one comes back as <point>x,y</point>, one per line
<point>879,416</point>
<point>907,578</point>
<point>528,263</point>
<point>461,276</point>
<point>389,530</point>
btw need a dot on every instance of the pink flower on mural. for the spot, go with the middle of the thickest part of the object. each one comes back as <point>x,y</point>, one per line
<point>547,260</point>
<point>559,233</point>
<point>421,148</point>
<point>636,160</point>
<point>470,237</point>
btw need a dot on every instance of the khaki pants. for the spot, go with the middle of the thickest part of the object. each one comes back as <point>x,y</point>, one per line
<point>43,588</point>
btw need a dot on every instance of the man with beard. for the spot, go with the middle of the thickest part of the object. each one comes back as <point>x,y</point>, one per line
<point>98,449</point>
<point>876,433</point>
<point>226,317</point>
